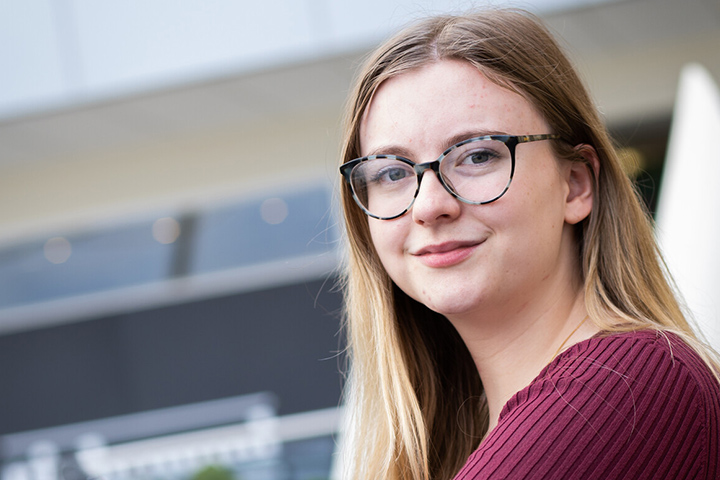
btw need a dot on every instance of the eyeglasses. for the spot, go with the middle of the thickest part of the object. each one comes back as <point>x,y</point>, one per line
<point>476,171</point>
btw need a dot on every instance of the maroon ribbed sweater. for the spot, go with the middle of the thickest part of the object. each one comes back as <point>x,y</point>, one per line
<point>632,406</point>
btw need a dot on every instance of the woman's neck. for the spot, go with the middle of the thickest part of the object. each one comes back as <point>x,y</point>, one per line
<point>511,351</point>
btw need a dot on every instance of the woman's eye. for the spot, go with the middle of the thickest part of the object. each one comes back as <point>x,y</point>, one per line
<point>391,174</point>
<point>478,157</point>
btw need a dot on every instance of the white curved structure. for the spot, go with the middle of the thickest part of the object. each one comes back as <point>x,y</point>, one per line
<point>688,216</point>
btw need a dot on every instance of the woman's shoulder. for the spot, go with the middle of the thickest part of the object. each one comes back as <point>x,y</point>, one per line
<point>642,356</point>
<point>641,363</point>
<point>630,405</point>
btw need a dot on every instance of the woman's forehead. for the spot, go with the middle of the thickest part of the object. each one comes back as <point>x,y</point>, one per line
<point>431,104</point>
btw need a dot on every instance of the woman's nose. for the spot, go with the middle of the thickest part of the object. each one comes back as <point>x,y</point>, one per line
<point>433,202</point>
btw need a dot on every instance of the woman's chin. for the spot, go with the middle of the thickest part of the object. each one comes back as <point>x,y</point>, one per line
<point>452,307</point>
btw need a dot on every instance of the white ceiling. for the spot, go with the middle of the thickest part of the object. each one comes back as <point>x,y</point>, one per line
<point>175,112</point>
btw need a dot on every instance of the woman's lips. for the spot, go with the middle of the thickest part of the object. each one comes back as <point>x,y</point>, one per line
<point>446,254</point>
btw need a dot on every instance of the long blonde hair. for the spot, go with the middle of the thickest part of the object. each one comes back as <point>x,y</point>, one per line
<point>414,396</point>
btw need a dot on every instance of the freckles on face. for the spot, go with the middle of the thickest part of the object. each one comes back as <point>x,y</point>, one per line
<point>446,254</point>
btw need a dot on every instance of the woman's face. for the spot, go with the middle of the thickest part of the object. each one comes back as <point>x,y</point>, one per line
<point>459,259</point>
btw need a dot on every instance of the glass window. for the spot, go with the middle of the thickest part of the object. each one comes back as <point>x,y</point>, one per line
<point>264,230</point>
<point>254,231</point>
<point>82,263</point>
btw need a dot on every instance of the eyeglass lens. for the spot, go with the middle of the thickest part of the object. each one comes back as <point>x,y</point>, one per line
<point>477,172</point>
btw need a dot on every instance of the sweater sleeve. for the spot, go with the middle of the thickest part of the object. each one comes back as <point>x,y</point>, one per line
<point>623,407</point>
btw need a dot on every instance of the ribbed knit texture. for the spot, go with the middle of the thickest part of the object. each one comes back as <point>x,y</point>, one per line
<point>629,406</point>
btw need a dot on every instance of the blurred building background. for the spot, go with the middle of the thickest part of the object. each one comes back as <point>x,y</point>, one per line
<point>168,234</point>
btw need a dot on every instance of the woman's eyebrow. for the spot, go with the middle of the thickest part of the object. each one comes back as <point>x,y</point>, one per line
<point>390,149</point>
<point>467,134</point>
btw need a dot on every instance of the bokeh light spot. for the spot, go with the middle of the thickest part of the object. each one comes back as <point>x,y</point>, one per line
<point>274,210</point>
<point>166,230</point>
<point>57,250</point>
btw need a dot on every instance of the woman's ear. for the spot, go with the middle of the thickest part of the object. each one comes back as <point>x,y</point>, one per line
<point>581,178</point>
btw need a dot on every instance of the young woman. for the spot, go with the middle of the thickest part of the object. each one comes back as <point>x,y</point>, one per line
<point>508,314</point>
